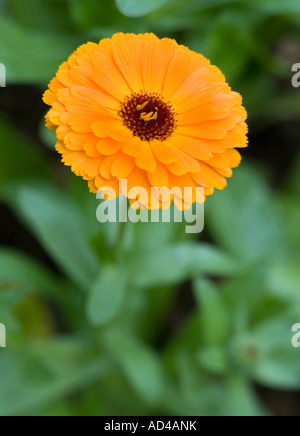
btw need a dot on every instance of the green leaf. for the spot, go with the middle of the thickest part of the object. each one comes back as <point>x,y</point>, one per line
<point>88,13</point>
<point>59,226</point>
<point>196,5</point>
<point>291,210</point>
<point>42,375</point>
<point>195,396</point>
<point>214,360</point>
<point>276,7</point>
<point>102,248</point>
<point>152,236</point>
<point>107,295</point>
<point>245,292</point>
<point>139,363</point>
<point>231,31</point>
<point>265,354</point>
<point>214,313</point>
<point>33,57</point>
<point>49,14</point>
<point>245,219</point>
<point>284,281</point>
<point>176,263</point>
<point>17,270</point>
<point>3,5</point>
<point>138,8</point>
<point>278,375</point>
<point>278,365</point>
<point>15,151</point>
<point>241,399</point>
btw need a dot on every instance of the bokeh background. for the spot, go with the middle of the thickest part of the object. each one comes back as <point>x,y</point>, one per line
<point>147,320</point>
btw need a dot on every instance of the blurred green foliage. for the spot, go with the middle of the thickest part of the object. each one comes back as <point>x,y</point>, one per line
<point>110,354</point>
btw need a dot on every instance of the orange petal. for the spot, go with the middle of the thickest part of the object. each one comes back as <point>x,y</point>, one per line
<point>133,146</point>
<point>191,146</point>
<point>203,113</point>
<point>105,169</point>
<point>122,166</point>
<point>231,158</point>
<point>87,95</point>
<point>217,129</point>
<point>128,56</point>
<point>75,141</point>
<point>108,146</point>
<point>90,147</point>
<point>156,61</point>
<point>49,97</point>
<point>176,73</point>
<point>163,152</point>
<point>91,167</point>
<point>160,177</point>
<point>81,124</point>
<point>209,177</point>
<point>146,160</point>
<point>108,77</point>
<point>199,97</point>
<point>111,128</point>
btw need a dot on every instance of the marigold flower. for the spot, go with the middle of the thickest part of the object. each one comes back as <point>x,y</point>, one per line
<point>148,110</point>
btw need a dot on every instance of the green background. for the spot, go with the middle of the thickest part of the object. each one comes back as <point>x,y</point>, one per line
<point>156,322</point>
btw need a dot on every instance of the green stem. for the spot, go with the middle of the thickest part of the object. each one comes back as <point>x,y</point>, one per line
<point>123,230</point>
<point>121,239</point>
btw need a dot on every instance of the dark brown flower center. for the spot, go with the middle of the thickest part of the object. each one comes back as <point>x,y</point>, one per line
<point>148,116</point>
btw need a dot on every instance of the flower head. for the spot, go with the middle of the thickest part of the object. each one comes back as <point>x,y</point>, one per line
<point>148,110</point>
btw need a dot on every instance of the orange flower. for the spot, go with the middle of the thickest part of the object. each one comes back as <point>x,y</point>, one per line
<point>148,110</point>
